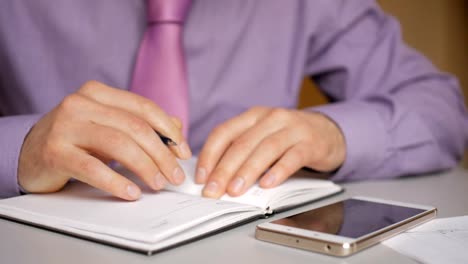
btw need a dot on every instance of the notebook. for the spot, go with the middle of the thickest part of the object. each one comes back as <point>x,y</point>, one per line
<point>158,220</point>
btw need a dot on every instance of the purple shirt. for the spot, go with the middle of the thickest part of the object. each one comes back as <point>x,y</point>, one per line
<point>399,115</point>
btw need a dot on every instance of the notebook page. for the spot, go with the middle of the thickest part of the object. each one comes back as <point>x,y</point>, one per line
<point>294,190</point>
<point>151,219</point>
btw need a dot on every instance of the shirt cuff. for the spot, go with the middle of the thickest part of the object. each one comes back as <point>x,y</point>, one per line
<point>14,130</point>
<point>365,137</point>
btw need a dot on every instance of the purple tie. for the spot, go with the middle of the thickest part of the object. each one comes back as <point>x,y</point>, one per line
<point>160,72</point>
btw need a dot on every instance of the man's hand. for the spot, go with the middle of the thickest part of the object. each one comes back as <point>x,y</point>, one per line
<point>272,140</point>
<point>93,126</point>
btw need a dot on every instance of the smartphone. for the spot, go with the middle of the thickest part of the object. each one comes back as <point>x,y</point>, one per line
<point>345,227</point>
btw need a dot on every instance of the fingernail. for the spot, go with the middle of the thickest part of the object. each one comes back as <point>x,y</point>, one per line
<point>237,185</point>
<point>159,181</point>
<point>178,176</point>
<point>133,191</point>
<point>268,180</point>
<point>185,150</point>
<point>211,189</point>
<point>201,175</point>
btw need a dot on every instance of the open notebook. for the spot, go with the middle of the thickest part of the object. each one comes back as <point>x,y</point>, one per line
<point>159,220</point>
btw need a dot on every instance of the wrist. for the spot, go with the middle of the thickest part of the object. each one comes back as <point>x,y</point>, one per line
<point>329,140</point>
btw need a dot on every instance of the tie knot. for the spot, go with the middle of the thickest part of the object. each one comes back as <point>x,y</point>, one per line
<point>173,11</point>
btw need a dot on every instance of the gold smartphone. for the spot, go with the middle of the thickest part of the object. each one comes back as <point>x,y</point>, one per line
<point>345,227</point>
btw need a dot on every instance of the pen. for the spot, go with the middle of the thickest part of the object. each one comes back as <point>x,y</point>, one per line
<point>167,141</point>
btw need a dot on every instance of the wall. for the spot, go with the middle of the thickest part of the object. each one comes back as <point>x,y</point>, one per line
<point>437,28</point>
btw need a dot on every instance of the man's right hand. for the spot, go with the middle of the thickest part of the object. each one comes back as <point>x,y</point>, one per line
<point>94,126</point>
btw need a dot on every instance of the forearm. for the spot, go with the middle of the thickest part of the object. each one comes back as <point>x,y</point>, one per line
<point>398,113</point>
<point>14,130</point>
<point>393,135</point>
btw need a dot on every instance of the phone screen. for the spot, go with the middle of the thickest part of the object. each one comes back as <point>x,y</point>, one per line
<point>350,218</point>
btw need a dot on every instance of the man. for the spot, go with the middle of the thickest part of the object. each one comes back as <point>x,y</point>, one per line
<point>392,112</point>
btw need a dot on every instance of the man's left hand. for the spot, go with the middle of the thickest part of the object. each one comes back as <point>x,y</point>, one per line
<point>271,143</point>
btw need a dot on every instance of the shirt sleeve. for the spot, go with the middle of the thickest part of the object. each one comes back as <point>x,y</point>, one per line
<point>399,115</point>
<point>14,130</point>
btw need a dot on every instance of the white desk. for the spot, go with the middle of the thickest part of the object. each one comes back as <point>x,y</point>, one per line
<point>448,191</point>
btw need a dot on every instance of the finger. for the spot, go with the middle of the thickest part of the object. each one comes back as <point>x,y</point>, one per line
<point>221,138</point>
<point>240,150</point>
<point>263,156</point>
<point>287,165</point>
<point>137,105</point>
<point>176,122</point>
<point>108,142</point>
<point>235,153</point>
<point>183,150</point>
<point>141,133</point>
<point>90,170</point>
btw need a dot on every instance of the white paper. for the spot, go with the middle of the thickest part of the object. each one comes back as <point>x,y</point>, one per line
<point>158,219</point>
<point>442,241</point>
<point>294,191</point>
<point>151,219</point>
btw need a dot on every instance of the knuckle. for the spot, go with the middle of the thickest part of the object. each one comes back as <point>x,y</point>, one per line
<point>142,172</point>
<point>177,122</point>
<point>142,164</point>
<point>147,107</point>
<point>220,130</point>
<point>106,180</point>
<point>114,184</point>
<point>164,157</point>
<point>284,168</point>
<point>87,166</point>
<point>241,144</point>
<point>137,126</point>
<point>70,103</point>
<point>251,168</point>
<point>259,109</point>
<point>167,167</point>
<point>90,85</point>
<point>281,114</point>
<point>299,156</point>
<point>281,167</point>
<point>206,158</point>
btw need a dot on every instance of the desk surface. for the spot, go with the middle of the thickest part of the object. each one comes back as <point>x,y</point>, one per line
<point>447,191</point>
